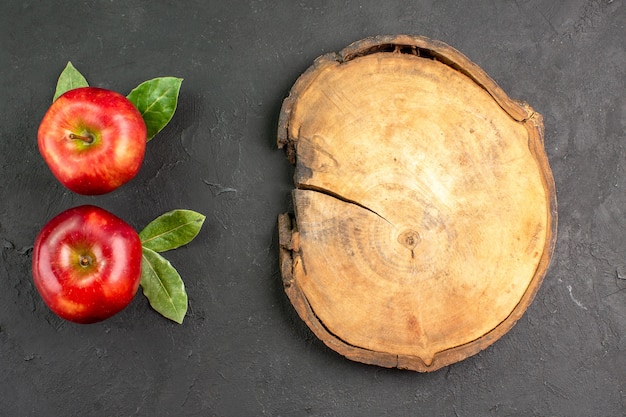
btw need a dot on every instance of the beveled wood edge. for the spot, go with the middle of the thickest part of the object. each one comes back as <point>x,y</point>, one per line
<point>410,44</point>
<point>518,110</point>
<point>286,231</point>
<point>283,139</point>
<point>444,53</point>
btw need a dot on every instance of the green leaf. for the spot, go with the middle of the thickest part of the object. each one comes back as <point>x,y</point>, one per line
<point>163,287</point>
<point>156,100</point>
<point>171,230</point>
<point>69,79</point>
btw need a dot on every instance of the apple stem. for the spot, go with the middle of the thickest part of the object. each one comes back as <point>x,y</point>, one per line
<point>85,138</point>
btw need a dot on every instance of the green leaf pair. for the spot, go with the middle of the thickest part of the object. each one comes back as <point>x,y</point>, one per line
<point>160,281</point>
<point>156,99</point>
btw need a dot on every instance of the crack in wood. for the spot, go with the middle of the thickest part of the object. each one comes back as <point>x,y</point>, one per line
<point>310,187</point>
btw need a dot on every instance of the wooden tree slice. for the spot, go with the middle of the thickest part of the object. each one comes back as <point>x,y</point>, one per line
<point>424,210</point>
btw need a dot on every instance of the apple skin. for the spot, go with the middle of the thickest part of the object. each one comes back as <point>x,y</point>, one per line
<point>87,264</point>
<point>93,140</point>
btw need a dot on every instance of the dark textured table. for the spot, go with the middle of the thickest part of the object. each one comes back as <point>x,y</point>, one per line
<point>242,350</point>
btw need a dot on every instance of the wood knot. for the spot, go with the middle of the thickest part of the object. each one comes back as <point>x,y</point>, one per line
<point>409,239</point>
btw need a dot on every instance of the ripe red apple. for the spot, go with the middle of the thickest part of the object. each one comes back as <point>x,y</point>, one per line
<point>87,264</point>
<point>93,140</point>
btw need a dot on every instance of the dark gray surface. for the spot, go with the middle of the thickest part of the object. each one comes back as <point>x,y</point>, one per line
<point>242,351</point>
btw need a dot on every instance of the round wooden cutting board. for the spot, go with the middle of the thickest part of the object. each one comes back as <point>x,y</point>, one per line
<point>424,206</point>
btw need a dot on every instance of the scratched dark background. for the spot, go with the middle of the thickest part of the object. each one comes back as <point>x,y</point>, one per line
<point>242,350</point>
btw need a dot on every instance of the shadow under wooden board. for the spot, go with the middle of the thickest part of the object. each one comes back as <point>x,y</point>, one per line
<point>424,206</point>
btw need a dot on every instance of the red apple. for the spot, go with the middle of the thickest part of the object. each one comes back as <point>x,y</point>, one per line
<point>93,140</point>
<point>87,264</point>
